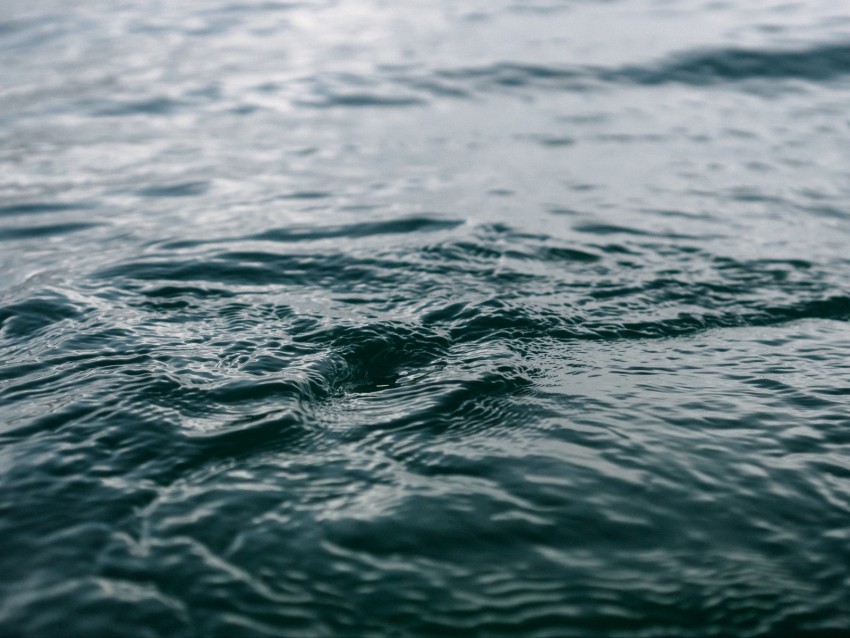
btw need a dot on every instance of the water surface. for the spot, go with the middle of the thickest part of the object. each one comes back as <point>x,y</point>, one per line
<point>359,318</point>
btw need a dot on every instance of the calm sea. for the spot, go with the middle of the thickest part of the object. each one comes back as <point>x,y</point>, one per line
<point>411,319</point>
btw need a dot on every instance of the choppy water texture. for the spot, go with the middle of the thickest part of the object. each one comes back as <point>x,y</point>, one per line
<point>365,318</point>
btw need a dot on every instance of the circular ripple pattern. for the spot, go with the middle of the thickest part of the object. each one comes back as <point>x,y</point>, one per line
<point>355,318</point>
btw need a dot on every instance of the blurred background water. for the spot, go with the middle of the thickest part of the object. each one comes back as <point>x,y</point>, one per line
<point>368,318</point>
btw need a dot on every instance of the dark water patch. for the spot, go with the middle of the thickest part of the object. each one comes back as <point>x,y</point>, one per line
<point>821,63</point>
<point>561,254</point>
<point>170,292</point>
<point>509,75</point>
<point>790,394</point>
<point>363,229</point>
<point>754,195</point>
<point>702,306</point>
<point>31,428</point>
<point>185,189</point>
<point>308,233</point>
<point>834,309</point>
<point>18,35</point>
<point>595,228</point>
<point>564,254</point>
<point>281,392</point>
<point>561,210</point>
<point>497,319</point>
<point>249,437</point>
<point>247,8</point>
<point>609,229</point>
<point>364,100</point>
<point>152,106</point>
<point>39,208</point>
<point>434,87</point>
<point>13,233</point>
<point>24,319</point>
<point>512,74</point>
<point>557,142</point>
<point>629,138</point>
<point>718,67</point>
<point>829,212</point>
<point>307,195</point>
<point>8,26</point>
<point>28,382</point>
<point>171,298</point>
<point>377,355</point>
<point>258,269</point>
<point>489,403</point>
<point>337,273</point>
<point>683,214</point>
<point>772,266</point>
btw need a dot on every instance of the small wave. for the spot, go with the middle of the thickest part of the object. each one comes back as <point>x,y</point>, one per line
<point>184,189</point>
<point>363,229</point>
<point>494,283</point>
<point>403,86</point>
<point>817,64</point>
<point>151,106</point>
<point>717,67</point>
<point>306,195</point>
<point>259,269</point>
<point>11,233</point>
<point>24,319</point>
<point>292,234</point>
<point>613,229</point>
<point>363,100</point>
<point>511,75</point>
<point>40,208</point>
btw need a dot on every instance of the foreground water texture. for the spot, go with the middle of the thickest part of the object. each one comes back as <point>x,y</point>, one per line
<point>364,318</point>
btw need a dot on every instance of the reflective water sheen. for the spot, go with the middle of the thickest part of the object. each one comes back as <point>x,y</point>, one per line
<point>367,318</point>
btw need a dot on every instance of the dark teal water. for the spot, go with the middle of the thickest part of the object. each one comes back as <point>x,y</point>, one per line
<point>360,318</point>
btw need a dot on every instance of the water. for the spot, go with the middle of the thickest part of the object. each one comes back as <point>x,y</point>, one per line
<point>359,318</point>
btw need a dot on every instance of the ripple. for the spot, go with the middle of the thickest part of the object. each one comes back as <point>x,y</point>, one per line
<point>25,318</point>
<point>364,100</point>
<point>185,189</point>
<point>821,63</point>
<point>717,67</point>
<point>38,208</point>
<point>151,106</point>
<point>13,233</point>
<point>351,231</point>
